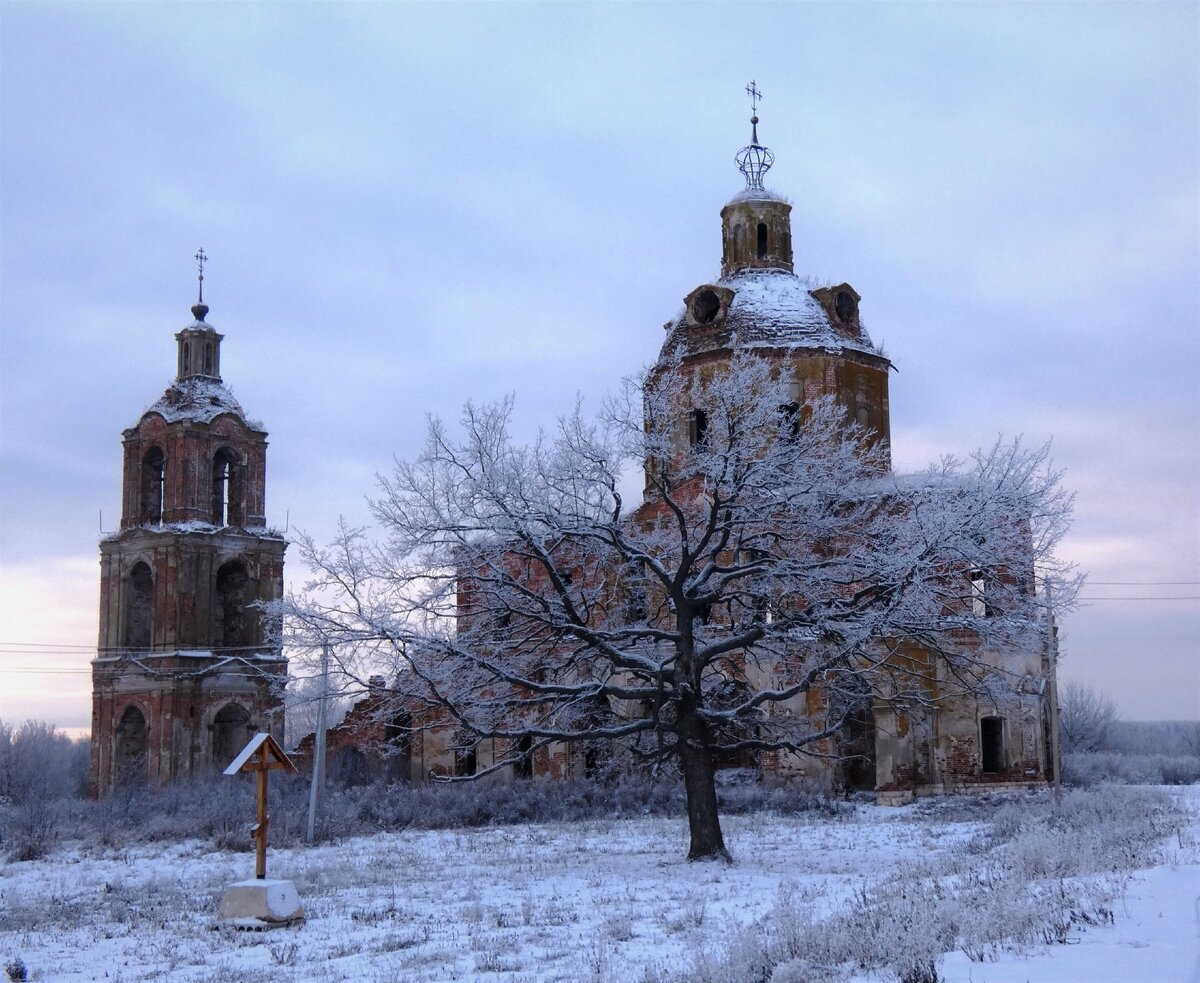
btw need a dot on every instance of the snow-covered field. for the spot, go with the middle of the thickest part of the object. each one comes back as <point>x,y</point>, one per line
<point>605,900</point>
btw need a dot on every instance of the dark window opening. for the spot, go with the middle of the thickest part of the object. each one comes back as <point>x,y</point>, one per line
<point>129,745</point>
<point>844,306</point>
<point>139,607</point>
<point>153,483</point>
<point>636,607</point>
<point>706,306</point>
<point>225,490</point>
<point>762,240</point>
<point>398,737</point>
<point>789,421</point>
<point>697,428</point>
<point>595,759</point>
<point>208,359</point>
<point>232,629</point>
<point>187,357</point>
<point>857,749</point>
<point>523,764</point>
<point>230,732</point>
<point>991,735</point>
<point>465,756</point>
<point>502,626</point>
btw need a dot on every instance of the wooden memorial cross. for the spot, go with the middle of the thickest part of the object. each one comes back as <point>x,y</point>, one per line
<point>261,755</point>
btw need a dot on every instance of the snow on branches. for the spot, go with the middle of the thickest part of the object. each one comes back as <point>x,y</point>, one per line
<point>775,579</point>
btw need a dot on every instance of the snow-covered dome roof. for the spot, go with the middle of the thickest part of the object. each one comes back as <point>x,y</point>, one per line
<point>197,399</point>
<point>766,309</point>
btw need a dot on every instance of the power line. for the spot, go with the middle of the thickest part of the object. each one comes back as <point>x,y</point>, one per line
<point>1144,583</point>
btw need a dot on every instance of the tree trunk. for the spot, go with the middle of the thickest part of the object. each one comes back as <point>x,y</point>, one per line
<point>699,781</point>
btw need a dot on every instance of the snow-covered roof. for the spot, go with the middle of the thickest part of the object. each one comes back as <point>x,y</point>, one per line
<point>768,309</point>
<point>197,399</point>
<point>198,526</point>
<point>758,194</point>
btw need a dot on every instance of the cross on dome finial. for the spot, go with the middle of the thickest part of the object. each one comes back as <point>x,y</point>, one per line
<point>754,94</point>
<point>200,309</point>
<point>755,160</point>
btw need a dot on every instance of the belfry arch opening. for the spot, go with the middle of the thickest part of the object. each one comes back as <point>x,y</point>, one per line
<point>129,744</point>
<point>232,628</point>
<point>226,489</point>
<point>762,240</point>
<point>154,466</point>
<point>139,607</point>
<point>230,732</point>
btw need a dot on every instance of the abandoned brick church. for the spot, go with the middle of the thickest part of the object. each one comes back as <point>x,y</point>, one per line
<point>183,674</point>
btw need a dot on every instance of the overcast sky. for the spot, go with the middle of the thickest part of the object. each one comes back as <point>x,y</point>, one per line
<point>408,206</point>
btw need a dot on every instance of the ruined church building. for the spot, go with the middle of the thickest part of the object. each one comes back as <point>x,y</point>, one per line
<point>184,674</point>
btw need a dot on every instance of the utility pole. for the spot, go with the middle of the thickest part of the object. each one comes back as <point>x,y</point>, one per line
<point>1052,668</point>
<point>318,772</point>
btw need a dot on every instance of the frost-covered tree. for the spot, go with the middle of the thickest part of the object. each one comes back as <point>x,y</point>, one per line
<point>773,555</point>
<point>1085,718</point>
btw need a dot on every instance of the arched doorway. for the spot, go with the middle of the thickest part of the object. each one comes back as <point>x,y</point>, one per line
<point>129,746</point>
<point>230,732</point>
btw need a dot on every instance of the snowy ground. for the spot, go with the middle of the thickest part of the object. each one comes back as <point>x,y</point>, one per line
<point>604,901</point>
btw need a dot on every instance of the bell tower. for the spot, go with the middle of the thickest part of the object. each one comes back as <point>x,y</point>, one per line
<point>188,663</point>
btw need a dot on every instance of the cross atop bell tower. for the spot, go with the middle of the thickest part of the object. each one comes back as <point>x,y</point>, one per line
<point>199,344</point>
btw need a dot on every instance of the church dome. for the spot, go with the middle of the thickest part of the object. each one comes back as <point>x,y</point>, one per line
<point>768,309</point>
<point>196,399</point>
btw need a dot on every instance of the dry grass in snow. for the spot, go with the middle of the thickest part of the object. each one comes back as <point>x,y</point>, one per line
<point>605,900</point>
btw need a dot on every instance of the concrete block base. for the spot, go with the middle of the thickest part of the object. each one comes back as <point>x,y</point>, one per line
<point>261,904</point>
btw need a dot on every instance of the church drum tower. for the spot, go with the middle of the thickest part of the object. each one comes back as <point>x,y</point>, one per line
<point>187,666</point>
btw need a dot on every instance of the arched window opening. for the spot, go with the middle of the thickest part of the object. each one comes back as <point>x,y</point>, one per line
<point>697,428</point>
<point>762,240</point>
<point>705,307</point>
<point>523,764</point>
<point>991,744</point>
<point>226,490</point>
<point>980,607</point>
<point>230,731</point>
<point>139,607</point>
<point>208,358</point>
<point>187,358</point>
<point>845,307</point>
<point>129,746</point>
<point>399,740</point>
<point>154,466</point>
<point>232,629</point>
